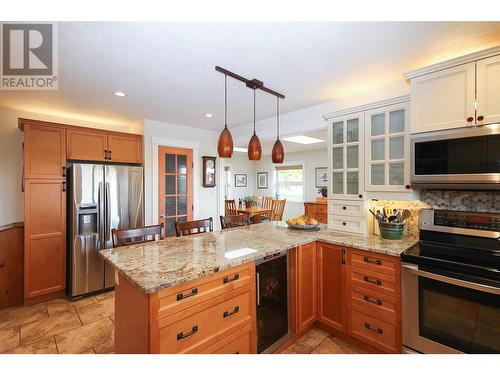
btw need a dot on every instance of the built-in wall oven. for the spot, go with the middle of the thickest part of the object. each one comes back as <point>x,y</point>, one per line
<point>273,328</point>
<point>466,158</point>
<point>451,284</point>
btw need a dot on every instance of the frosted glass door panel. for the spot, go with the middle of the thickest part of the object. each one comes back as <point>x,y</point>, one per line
<point>352,130</point>
<point>352,156</point>
<point>338,157</point>
<point>352,183</point>
<point>396,174</point>
<point>378,174</point>
<point>397,121</point>
<point>378,124</point>
<point>338,182</point>
<point>396,148</point>
<point>338,133</point>
<point>378,149</point>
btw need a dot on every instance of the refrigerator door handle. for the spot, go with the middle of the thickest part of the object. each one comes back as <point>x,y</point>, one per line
<point>100,219</point>
<point>108,212</point>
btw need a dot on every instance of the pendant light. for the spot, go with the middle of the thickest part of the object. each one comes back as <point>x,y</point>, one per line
<point>278,153</point>
<point>225,144</point>
<point>254,148</point>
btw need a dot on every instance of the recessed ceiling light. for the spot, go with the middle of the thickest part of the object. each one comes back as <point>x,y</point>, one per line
<point>120,93</point>
<point>240,149</point>
<point>209,115</point>
<point>303,139</point>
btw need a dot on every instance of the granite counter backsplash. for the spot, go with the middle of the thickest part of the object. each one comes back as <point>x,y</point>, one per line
<point>153,266</point>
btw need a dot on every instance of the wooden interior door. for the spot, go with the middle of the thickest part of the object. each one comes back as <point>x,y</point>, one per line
<point>175,190</point>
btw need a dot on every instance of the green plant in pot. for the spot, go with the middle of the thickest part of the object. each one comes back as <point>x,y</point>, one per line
<point>249,201</point>
<point>324,191</point>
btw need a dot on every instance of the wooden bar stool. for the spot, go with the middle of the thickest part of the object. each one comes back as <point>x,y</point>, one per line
<point>234,221</point>
<point>193,227</point>
<point>130,236</point>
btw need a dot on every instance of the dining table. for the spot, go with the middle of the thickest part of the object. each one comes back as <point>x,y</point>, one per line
<point>256,213</point>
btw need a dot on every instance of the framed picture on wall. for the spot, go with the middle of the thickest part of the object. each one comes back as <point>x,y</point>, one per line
<point>261,180</point>
<point>208,171</point>
<point>321,177</point>
<point>240,180</point>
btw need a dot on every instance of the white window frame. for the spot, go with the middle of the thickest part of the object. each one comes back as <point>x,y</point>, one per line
<point>288,164</point>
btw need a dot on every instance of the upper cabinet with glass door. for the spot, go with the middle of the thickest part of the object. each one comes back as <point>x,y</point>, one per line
<point>387,148</point>
<point>346,155</point>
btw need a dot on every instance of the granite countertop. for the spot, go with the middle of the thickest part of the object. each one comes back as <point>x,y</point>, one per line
<point>152,266</point>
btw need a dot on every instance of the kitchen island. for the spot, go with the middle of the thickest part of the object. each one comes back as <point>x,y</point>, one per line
<point>196,294</point>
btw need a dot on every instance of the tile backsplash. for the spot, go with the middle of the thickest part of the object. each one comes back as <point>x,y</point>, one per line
<point>459,200</point>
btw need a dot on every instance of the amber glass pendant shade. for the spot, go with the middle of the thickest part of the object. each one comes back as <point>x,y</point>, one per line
<point>225,145</point>
<point>278,152</point>
<point>254,148</point>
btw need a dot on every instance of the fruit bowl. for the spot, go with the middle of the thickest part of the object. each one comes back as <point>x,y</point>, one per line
<point>303,222</point>
<point>303,226</point>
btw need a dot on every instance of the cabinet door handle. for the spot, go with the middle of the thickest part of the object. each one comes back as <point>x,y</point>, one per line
<point>109,153</point>
<point>378,262</point>
<point>182,335</point>
<point>378,330</point>
<point>343,255</point>
<point>344,208</point>
<point>228,280</point>
<point>64,186</point>
<point>470,119</point>
<point>480,118</point>
<point>63,171</point>
<point>375,301</point>
<point>182,296</point>
<point>229,313</point>
<point>373,281</point>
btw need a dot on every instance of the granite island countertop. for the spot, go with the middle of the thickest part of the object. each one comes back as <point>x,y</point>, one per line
<point>153,266</point>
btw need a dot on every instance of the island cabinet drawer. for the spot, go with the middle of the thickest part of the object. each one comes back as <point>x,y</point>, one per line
<point>375,281</point>
<point>374,261</point>
<point>376,332</point>
<point>237,343</point>
<point>196,329</point>
<point>186,295</point>
<point>377,303</point>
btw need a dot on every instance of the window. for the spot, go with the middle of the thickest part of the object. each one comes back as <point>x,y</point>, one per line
<point>290,183</point>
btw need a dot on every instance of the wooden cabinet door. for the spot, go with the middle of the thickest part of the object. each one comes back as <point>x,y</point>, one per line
<point>309,209</point>
<point>125,148</point>
<point>44,151</point>
<point>45,237</point>
<point>488,89</point>
<point>303,287</point>
<point>332,296</point>
<point>86,145</point>
<point>443,99</point>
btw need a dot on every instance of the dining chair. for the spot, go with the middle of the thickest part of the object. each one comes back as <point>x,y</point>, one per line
<point>267,203</point>
<point>230,207</point>
<point>130,236</point>
<point>188,228</point>
<point>278,209</point>
<point>233,221</point>
<point>258,199</point>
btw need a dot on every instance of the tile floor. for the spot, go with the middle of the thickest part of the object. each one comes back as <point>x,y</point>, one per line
<point>87,327</point>
<point>60,326</point>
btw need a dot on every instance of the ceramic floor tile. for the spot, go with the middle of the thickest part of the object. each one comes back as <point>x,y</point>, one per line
<point>89,351</point>
<point>9,339</point>
<point>328,346</point>
<point>103,296</point>
<point>59,306</point>
<point>298,348</point>
<point>86,337</point>
<point>112,317</point>
<point>45,346</point>
<point>107,347</point>
<point>16,316</point>
<point>96,311</point>
<point>346,347</point>
<point>49,326</point>
<point>313,337</point>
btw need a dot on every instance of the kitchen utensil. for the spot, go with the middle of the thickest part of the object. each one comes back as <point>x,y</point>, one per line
<point>405,215</point>
<point>392,218</point>
<point>380,217</point>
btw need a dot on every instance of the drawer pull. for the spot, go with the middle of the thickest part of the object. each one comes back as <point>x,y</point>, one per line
<point>182,296</point>
<point>378,330</point>
<point>378,262</point>
<point>227,313</point>
<point>228,280</point>
<point>182,335</point>
<point>238,352</point>
<point>344,208</point>
<point>373,281</point>
<point>375,301</point>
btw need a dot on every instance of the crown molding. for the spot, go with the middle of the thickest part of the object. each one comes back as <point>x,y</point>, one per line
<point>454,62</point>
<point>367,107</point>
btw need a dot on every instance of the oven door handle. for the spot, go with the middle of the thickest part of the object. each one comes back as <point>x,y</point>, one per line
<point>450,280</point>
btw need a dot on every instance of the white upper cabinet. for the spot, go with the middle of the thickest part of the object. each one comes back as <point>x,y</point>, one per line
<point>346,156</point>
<point>443,99</point>
<point>387,144</point>
<point>488,90</point>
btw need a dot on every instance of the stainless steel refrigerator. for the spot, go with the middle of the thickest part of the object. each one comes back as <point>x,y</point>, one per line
<point>102,197</point>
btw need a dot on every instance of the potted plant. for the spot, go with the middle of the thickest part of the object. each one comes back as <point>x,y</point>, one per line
<point>324,191</point>
<point>249,201</point>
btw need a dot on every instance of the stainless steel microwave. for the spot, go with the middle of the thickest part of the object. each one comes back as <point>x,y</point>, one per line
<point>465,158</point>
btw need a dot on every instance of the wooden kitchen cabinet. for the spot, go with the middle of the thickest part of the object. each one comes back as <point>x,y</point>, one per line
<point>332,288</point>
<point>304,281</point>
<point>86,145</point>
<point>45,237</point>
<point>317,210</point>
<point>125,148</point>
<point>44,150</point>
<point>488,89</point>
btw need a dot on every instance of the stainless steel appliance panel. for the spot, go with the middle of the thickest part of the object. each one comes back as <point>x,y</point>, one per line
<point>86,266</point>
<point>123,189</point>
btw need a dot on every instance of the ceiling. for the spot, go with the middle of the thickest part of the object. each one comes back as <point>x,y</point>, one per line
<point>267,145</point>
<point>167,69</point>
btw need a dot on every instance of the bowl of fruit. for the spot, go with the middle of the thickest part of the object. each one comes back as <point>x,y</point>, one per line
<point>303,222</point>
